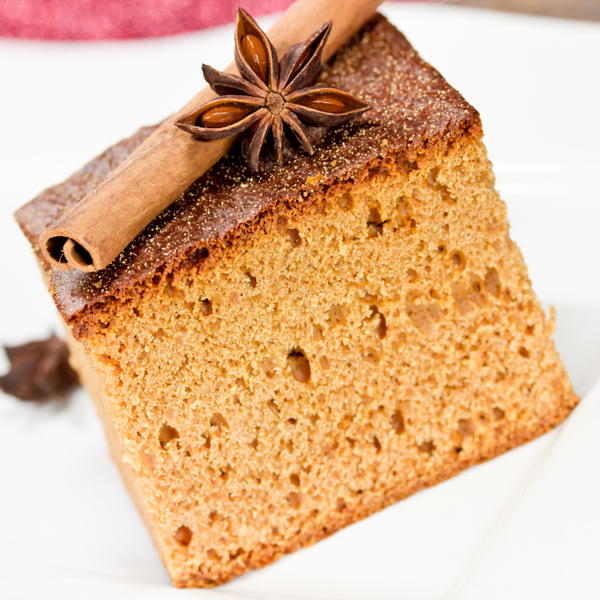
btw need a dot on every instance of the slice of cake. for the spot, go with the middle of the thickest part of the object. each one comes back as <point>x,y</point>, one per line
<point>282,353</point>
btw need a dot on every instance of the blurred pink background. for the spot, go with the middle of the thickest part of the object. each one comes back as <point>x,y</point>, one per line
<point>119,19</point>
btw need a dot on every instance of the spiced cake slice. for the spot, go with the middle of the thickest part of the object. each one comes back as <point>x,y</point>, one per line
<point>280,354</point>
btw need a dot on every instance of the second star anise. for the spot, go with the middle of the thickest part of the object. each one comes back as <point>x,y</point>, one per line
<point>270,94</point>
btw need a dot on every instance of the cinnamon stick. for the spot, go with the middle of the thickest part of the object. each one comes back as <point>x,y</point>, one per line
<point>90,235</point>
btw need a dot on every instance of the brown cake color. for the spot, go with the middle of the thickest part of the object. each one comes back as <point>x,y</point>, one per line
<point>283,353</point>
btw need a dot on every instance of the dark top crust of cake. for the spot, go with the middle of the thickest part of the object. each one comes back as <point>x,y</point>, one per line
<point>414,109</point>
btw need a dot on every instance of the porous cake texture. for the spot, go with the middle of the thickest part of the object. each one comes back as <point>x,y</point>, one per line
<point>281,354</point>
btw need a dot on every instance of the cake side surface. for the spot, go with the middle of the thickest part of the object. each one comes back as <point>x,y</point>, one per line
<point>353,350</point>
<point>414,109</point>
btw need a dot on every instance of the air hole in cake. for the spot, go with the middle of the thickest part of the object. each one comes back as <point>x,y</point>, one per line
<point>427,446</point>
<point>294,237</point>
<point>268,366</point>
<point>491,282</point>
<point>206,440</point>
<point>372,299</point>
<point>299,366</point>
<point>273,407</point>
<point>345,201</point>
<point>337,315</point>
<point>218,422</point>
<point>251,279</point>
<point>282,225</point>
<point>351,441</point>
<point>433,175</point>
<point>341,505</point>
<point>294,499</point>
<point>196,256</point>
<point>529,329</point>
<point>183,536</point>
<point>498,413</point>
<point>447,195</point>
<point>524,352</point>
<point>376,444</point>
<point>213,515</point>
<point>374,223</point>
<point>136,312</point>
<point>174,291</point>
<point>381,328</point>
<point>110,361</point>
<point>292,421</point>
<point>423,316</point>
<point>411,275</point>
<point>465,427</point>
<point>206,307</point>
<point>166,433</point>
<point>295,479</point>
<point>378,170</point>
<point>458,449</point>
<point>458,260</point>
<point>397,422</point>
<point>212,554</point>
<point>324,361</point>
<point>441,248</point>
<point>403,211</point>
<point>254,444</point>
<point>371,356</point>
<point>317,333</point>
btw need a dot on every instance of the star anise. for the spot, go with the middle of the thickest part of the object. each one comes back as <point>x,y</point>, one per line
<point>271,94</point>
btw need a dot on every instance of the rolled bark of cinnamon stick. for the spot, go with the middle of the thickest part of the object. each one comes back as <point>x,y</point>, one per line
<point>89,236</point>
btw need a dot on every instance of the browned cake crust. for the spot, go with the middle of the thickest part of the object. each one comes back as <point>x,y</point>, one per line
<point>281,354</point>
<point>414,109</point>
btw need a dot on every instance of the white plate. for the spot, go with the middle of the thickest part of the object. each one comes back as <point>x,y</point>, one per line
<point>524,525</point>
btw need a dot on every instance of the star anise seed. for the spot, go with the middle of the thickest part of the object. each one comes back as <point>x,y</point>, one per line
<point>270,95</point>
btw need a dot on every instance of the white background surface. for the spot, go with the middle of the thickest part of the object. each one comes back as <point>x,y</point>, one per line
<point>525,525</point>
